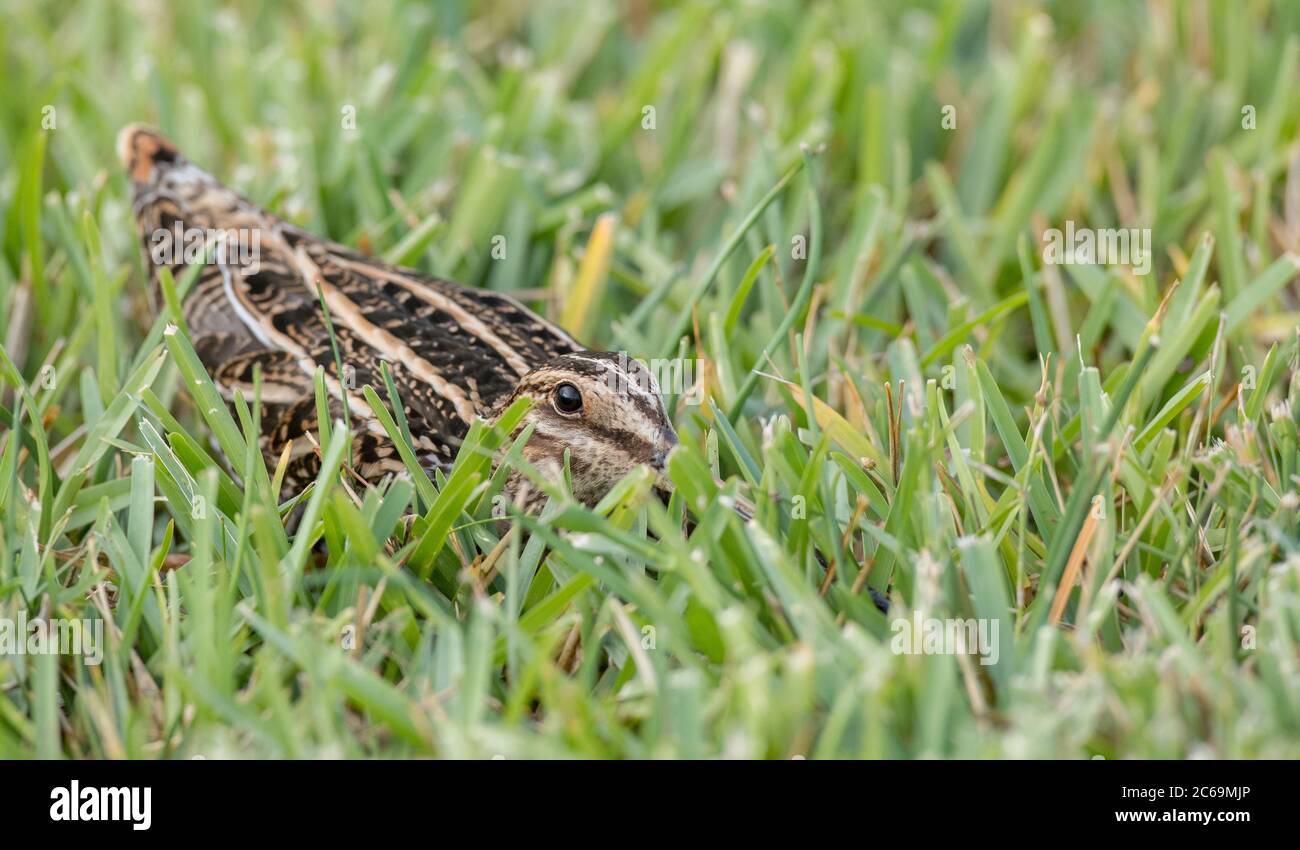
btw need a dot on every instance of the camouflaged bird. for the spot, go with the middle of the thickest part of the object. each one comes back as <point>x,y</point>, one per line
<point>455,353</point>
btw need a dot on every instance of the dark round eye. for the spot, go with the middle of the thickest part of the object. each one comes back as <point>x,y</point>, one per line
<point>568,399</point>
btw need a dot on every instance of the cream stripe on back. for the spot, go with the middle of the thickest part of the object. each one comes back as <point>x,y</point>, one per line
<point>467,320</point>
<point>352,316</point>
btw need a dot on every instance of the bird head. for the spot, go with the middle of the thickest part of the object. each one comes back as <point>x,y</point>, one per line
<point>605,408</point>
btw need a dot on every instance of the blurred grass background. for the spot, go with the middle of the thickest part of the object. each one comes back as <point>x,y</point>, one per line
<point>1104,464</point>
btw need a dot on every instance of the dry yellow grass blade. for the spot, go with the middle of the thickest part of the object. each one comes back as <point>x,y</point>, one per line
<point>849,438</point>
<point>1075,564</point>
<point>593,274</point>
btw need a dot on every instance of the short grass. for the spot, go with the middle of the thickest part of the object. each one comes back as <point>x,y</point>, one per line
<point>832,212</point>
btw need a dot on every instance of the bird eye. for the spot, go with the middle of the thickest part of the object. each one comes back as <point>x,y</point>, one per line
<point>567,399</point>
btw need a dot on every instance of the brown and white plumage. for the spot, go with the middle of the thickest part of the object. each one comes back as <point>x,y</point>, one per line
<point>455,353</point>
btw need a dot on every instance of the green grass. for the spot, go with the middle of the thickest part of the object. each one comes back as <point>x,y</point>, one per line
<point>891,374</point>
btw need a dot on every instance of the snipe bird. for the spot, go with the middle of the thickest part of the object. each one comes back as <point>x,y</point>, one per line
<point>455,352</point>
